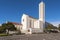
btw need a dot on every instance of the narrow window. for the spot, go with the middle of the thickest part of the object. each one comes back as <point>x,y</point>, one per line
<point>23,20</point>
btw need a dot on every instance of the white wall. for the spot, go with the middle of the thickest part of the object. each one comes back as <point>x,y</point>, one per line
<point>27,23</point>
<point>37,24</point>
<point>42,15</point>
<point>18,27</point>
<point>42,11</point>
<point>32,22</point>
<point>24,22</point>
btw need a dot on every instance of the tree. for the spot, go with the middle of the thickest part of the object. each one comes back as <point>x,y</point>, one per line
<point>2,29</point>
<point>59,26</point>
<point>9,27</point>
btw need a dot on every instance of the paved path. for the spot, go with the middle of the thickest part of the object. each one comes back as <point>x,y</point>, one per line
<point>52,36</point>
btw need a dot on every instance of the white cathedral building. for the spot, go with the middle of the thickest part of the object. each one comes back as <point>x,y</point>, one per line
<point>31,25</point>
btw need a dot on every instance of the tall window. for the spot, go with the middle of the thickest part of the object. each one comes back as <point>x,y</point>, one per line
<point>30,23</point>
<point>23,20</point>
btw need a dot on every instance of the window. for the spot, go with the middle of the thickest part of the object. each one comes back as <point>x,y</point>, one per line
<point>30,23</point>
<point>23,20</point>
<point>28,30</point>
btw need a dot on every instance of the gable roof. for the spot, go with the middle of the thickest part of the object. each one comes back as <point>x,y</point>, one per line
<point>16,23</point>
<point>29,16</point>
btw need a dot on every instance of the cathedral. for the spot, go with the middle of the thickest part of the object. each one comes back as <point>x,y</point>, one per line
<point>31,25</point>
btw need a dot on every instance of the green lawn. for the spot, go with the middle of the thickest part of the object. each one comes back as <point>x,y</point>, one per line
<point>3,34</point>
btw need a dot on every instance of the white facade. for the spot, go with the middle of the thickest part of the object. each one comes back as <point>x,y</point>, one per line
<point>42,15</point>
<point>18,27</point>
<point>28,23</point>
<point>32,25</point>
<point>42,11</point>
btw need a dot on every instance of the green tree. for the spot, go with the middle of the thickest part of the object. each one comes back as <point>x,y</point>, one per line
<point>2,29</point>
<point>9,27</point>
<point>59,26</point>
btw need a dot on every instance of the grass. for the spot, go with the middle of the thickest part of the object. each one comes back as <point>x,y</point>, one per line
<point>3,35</point>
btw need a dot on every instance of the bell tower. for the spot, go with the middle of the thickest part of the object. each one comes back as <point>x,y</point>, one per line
<point>42,11</point>
<point>42,15</point>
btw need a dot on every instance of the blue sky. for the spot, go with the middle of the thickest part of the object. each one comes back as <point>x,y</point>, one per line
<point>12,10</point>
